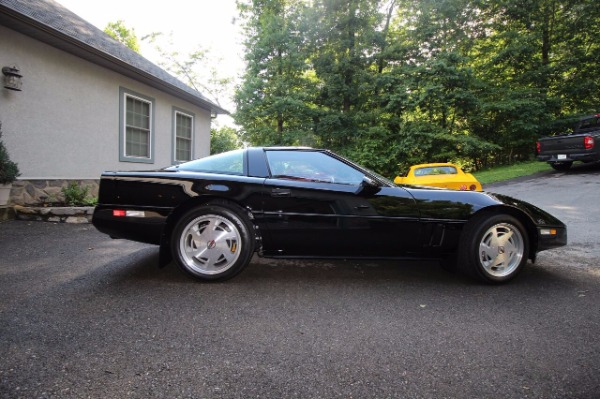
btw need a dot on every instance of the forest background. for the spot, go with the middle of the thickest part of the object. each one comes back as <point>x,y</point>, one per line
<point>398,82</point>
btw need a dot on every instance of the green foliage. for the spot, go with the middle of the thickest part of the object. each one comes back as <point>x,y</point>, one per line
<point>119,32</point>
<point>401,82</point>
<point>274,101</point>
<point>77,195</point>
<point>9,170</point>
<point>224,139</point>
<point>344,36</point>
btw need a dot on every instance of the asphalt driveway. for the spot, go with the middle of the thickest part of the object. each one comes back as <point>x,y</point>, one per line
<point>82,316</point>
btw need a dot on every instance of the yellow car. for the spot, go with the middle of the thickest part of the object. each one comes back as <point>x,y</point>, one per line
<point>444,175</point>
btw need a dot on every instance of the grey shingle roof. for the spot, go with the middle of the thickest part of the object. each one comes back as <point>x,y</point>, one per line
<point>52,23</point>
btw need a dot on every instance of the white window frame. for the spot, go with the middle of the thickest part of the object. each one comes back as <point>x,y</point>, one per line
<point>178,111</point>
<point>124,94</point>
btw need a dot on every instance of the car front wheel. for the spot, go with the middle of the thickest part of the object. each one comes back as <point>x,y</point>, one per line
<point>494,248</point>
<point>212,242</point>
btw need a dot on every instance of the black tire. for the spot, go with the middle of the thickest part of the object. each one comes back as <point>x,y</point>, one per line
<point>494,248</point>
<point>561,166</point>
<point>213,242</point>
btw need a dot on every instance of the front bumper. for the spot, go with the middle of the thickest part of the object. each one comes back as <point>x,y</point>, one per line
<point>551,237</point>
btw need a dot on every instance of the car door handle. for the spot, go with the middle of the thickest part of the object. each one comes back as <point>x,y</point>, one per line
<point>281,192</point>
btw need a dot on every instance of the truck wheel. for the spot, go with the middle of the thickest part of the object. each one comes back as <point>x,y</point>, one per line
<point>561,166</point>
<point>212,242</point>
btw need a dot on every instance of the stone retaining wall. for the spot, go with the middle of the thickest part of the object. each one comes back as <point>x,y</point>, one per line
<point>35,192</point>
<point>55,214</point>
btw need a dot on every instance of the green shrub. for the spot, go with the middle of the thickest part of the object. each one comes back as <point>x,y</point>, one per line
<point>76,195</point>
<point>9,171</point>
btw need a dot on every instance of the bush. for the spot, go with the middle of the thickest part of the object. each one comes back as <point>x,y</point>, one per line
<point>9,171</point>
<point>76,195</point>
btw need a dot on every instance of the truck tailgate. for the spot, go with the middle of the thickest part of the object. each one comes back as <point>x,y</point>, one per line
<point>562,144</point>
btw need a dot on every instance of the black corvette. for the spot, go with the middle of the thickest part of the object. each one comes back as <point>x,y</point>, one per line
<point>212,214</point>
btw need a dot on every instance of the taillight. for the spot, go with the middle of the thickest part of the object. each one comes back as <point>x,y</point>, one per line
<point>538,147</point>
<point>119,213</point>
<point>472,187</point>
<point>588,142</point>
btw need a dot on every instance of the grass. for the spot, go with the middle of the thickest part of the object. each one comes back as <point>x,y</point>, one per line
<point>510,172</point>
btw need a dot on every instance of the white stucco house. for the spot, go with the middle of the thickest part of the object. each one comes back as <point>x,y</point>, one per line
<point>88,103</point>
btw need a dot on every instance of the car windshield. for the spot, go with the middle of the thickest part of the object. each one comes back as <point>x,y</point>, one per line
<point>230,163</point>
<point>369,172</point>
<point>435,170</point>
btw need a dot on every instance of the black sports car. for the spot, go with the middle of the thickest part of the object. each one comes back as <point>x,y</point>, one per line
<point>212,214</point>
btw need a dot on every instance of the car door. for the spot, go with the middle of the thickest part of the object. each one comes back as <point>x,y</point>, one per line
<point>317,205</point>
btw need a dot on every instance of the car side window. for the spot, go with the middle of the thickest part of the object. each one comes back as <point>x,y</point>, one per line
<point>313,166</point>
<point>231,163</point>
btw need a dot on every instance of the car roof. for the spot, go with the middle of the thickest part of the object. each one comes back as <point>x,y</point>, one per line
<point>281,148</point>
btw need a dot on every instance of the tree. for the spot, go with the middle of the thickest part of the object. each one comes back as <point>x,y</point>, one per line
<point>119,32</point>
<point>274,101</point>
<point>344,38</point>
<point>538,64</point>
<point>9,170</point>
<point>224,139</point>
<point>430,88</point>
<point>395,82</point>
<point>574,55</point>
<point>198,68</point>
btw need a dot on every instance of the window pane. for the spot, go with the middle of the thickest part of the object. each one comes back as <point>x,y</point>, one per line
<point>137,128</point>
<point>184,149</point>
<point>183,137</point>
<point>137,143</point>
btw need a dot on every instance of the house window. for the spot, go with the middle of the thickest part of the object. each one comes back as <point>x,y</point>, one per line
<point>183,133</point>
<point>136,132</point>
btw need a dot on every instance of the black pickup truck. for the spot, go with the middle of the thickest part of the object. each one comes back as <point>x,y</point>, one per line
<point>579,145</point>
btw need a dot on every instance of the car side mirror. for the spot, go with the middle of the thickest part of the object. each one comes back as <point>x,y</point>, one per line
<point>368,186</point>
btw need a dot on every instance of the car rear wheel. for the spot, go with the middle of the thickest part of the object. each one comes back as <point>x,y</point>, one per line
<point>494,248</point>
<point>212,242</point>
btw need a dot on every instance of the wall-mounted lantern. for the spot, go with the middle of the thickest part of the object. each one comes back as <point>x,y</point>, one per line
<point>12,78</point>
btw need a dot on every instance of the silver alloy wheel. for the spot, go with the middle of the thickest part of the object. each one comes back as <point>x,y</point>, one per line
<point>210,244</point>
<point>501,249</point>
